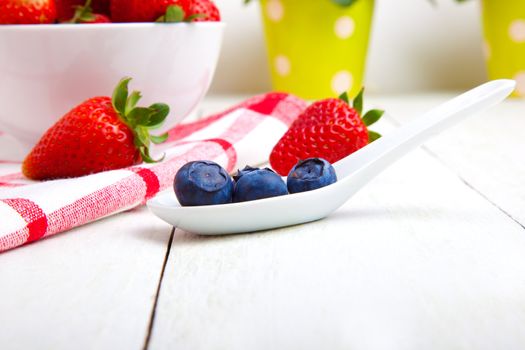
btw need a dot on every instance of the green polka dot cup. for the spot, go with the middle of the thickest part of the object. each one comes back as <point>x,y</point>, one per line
<point>317,49</point>
<point>504,27</point>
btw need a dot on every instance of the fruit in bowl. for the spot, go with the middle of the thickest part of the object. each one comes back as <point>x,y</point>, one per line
<point>50,11</point>
<point>48,68</point>
<point>66,8</point>
<point>100,134</point>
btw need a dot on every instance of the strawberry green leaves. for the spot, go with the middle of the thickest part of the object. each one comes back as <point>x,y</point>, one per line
<point>83,13</point>
<point>372,116</point>
<point>358,102</point>
<point>159,139</point>
<point>372,136</point>
<point>120,96</point>
<point>369,118</point>
<point>156,119</point>
<point>344,97</point>
<point>140,119</point>
<point>174,14</point>
<point>132,100</point>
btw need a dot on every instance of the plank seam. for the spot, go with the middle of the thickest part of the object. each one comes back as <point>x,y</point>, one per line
<point>157,294</point>
<point>469,185</point>
<point>465,181</point>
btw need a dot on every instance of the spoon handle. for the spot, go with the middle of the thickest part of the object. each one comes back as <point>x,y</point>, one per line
<point>374,158</point>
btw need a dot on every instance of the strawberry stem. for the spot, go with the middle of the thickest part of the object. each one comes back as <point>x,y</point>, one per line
<point>358,101</point>
<point>83,13</point>
<point>174,14</point>
<point>372,136</point>
<point>370,117</point>
<point>140,119</point>
<point>344,96</point>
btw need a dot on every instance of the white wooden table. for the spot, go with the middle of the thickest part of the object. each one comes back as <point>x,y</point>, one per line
<point>431,255</point>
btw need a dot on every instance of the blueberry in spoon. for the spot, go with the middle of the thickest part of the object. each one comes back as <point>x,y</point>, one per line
<point>252,184</point>
<point>311,174</point>
<point>203,183</point>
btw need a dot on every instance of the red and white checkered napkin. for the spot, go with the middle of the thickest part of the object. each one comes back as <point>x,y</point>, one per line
<point>244,134</point>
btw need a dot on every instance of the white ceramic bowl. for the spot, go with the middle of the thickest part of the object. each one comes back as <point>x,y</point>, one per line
<point>45,70</point>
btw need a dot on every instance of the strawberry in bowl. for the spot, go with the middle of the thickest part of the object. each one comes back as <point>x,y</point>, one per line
<point>100,134</point>
<point>150,11</point>
<point>66,8</point>
<point>84,14</point>
<point>27,11</point>
<point>56,65</point>
<point>144,11</point>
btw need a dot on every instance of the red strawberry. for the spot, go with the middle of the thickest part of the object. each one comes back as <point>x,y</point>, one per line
<point>204,11</point>
<point>84,14</point>
<point>144,11</point>
<point>100,134</point>
<point>66,8</point>
<point>27,11</point>
<point>328,129</point>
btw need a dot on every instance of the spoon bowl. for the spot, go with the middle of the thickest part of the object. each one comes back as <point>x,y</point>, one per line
<point>353,172</point>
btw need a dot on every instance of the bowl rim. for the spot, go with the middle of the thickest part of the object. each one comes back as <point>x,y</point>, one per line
<point>105,26</point>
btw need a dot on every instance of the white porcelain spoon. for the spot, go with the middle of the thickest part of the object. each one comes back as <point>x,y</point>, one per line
<point>354,172</point>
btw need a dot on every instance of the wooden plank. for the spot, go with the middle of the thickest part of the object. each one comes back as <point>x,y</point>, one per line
<point>417,260</point>
<point>91,288</point>
<point>487,151</point>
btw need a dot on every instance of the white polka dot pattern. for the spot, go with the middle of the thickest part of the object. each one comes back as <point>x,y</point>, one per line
<point>282,65</point>
<point>517,31</point>
<point>344,27</point>
<point>342,82</point>
<point>275,10</point>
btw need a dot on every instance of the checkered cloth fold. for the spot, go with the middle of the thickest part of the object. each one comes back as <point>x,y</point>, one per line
<point>244,134</point>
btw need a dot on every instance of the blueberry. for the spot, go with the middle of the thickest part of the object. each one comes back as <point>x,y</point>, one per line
<point>255,184</point>
<point>311,174</point>
<point>247,169</point>
<point>203,183</point>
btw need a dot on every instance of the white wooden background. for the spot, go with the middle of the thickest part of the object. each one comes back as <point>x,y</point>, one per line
<point>431,255</point>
